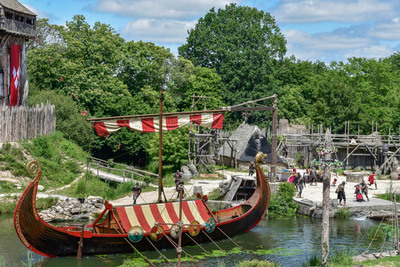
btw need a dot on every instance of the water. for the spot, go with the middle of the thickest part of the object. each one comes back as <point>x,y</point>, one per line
<point>289,241</point>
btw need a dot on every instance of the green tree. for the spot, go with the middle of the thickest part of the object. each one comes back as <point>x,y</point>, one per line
<point>244,46</point>
<point>69,121</point>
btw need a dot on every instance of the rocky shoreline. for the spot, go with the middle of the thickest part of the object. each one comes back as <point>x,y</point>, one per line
<point>73,209</point>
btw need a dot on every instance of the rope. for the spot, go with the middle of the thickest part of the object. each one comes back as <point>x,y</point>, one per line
<point>229,238</point>
<point>213,242</point>
<point>176,246</point>
<point>165,258</point>
<point>373,237</point>
<point>137,251</point>
<point>197,243</point>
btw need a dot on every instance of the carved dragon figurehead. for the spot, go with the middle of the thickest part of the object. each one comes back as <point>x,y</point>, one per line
<point>260,157</point>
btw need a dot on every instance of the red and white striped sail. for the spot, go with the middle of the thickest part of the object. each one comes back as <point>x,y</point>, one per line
<point>151,124</point>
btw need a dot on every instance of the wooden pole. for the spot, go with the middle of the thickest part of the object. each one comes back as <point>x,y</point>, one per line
<point>325,202</point>
<point>397,223</point>
<point>180,224</point>
<point>274,139</point>
<point>160,183</point>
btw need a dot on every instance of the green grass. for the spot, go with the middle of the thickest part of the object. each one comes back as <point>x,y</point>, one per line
<point>337,257</point>
<point>97,187</point>
<point>342,213</point>
<point>256,263</point>
<point>7,207</point>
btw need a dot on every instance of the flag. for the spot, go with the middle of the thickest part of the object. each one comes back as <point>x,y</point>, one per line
<point>14,73</point>
<point>119,146</point>
<point>84,112</point>
<point>37,39</point>
<point>62,79</point>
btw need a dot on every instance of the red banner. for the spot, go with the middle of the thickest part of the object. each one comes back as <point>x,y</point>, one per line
<point>14,69</point>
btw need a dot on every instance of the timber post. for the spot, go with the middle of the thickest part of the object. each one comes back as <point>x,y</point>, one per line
<point>274,138</point>
<point>396,241</point>
<point>326,200</point>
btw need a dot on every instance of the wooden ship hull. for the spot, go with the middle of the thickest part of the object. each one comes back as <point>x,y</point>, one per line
<point>110,235</point>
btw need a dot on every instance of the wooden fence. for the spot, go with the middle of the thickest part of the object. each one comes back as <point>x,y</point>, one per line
<point>22,123</point>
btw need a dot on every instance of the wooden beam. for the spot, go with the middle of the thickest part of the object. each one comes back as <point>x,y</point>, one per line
<point>252,108</point>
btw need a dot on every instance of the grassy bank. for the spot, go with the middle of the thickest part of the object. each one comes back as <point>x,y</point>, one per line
<point>8,207</point>
<point>59,158</point>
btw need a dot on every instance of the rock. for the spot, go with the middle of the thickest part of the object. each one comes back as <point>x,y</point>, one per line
<point>99,205</point>
<point>354,177</point>
<point>40,187</point>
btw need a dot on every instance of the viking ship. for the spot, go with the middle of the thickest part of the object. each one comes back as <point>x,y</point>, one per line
<point>144,227</point>
<point>122,229</point>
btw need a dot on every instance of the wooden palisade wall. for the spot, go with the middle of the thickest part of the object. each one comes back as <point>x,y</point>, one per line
<point>22,122</point>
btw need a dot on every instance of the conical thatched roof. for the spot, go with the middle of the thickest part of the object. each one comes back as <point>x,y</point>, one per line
<point>250,140</point>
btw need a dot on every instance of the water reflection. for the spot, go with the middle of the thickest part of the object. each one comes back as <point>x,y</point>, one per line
<point>287,241</point>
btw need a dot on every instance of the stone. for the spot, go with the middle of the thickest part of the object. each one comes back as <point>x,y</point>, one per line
<point>40,187</point>
<point>354,177</point>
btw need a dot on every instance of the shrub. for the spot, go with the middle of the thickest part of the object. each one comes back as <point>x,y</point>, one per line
<point>255,263</point>
<point>68,119</point>
<point>380,232</point>
<point>282,203</point>
<point>342,213</point>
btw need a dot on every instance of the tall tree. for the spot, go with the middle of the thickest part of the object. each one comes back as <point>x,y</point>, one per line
<point>244,46</point>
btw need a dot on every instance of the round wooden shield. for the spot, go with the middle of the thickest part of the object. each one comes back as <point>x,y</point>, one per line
<point>194,228</point>
<point>156,233</point>
<point>210,225</point>
<point>174,231</point>
<point>135,234</point>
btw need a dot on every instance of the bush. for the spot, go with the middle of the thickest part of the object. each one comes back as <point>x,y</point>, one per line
<point>282,203</point>
<point>255,263</point>
<point>380,232</point>
<point>68,119</point>
<point>342,213</point>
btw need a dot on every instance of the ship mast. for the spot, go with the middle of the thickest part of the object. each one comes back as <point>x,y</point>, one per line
<point>160,132</point>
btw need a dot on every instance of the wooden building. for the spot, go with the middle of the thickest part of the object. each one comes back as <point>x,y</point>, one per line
<point>17,27</point>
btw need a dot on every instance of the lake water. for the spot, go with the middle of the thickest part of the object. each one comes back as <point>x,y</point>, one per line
<point>288,242</point>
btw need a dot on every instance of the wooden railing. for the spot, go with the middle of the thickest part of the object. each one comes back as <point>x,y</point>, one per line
<point>127,172</point>
<point>22,123</point>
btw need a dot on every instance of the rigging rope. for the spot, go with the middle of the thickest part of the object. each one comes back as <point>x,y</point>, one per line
<point>157,250</point>
<point>373,236</point>
<point>197,243</point>
<point>136,250</point>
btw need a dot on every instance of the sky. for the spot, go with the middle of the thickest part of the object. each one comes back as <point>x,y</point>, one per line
<point>315,30</point>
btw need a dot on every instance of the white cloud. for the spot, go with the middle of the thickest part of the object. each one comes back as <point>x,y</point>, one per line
<point>175,9</point>
<point>388,30</point>
<point>307,11</point>
<point>336,45</point>
<point>325,41</point>
<point>159,31</point>
<point>373,51</point>
<point>40,13</point>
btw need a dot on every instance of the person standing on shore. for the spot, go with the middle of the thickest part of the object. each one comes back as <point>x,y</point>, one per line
<point>137,190</point>
<point>313,176</point>
<point>341,194</point>
<point>364,189</point>
<point>251,169</point>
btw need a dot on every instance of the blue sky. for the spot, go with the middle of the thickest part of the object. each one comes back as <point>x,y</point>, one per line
<point>324,30</point>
